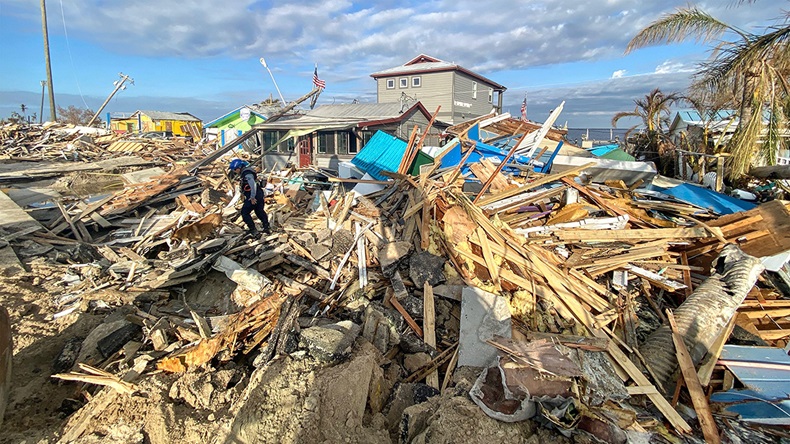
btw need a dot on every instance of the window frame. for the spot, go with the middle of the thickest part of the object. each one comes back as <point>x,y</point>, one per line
<point>403,82</point>
<point>490,95</point>
<point>474,90</point>
<point>390,83</point>
<point>416,81</point>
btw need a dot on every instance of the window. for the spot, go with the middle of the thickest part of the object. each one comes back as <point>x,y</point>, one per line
<point>343,143</point>
<point>490,95</point>
<point>364,138</point>
<point>390,83</point>
<point>474,90</point>
<point>269,139</point>
<point>404,82</point>
<point>416,82</point>
<point>326,143</point>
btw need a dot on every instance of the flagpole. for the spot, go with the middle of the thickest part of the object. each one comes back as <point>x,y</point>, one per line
<point>263,62</point>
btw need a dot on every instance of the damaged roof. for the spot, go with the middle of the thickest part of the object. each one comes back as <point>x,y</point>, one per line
<point>167,115</point>
<point>346,116</point>
<point>427,64</point>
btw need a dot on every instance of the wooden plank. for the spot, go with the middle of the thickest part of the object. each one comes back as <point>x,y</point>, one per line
<point>706,369</point>
<point>693,385</point>
<point>69,221</point>
<point>640,379</point>
<point>488,256</point>
<point>771,312</point>
<point>406,316</point>
<point>634,234</point>
<point>429,329</point>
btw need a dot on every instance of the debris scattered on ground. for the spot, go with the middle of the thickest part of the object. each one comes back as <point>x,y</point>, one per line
<point>485,294</point>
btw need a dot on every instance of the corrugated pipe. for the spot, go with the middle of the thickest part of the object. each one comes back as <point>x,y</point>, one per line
<point>704,314</point>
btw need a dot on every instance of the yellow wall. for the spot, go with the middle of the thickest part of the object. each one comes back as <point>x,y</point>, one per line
<point>177,127</point>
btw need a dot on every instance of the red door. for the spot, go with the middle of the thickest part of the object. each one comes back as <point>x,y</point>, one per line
<point>305,155</point>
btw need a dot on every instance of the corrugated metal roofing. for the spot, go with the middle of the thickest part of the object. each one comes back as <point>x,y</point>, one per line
<point>383,152</point>
<point>338,116</point>
<point>166,115</point>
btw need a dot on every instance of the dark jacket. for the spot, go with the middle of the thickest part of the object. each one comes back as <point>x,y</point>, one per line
<point>249,183</point>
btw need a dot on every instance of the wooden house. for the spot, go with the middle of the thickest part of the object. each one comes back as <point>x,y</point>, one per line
<point>175,124</point>
<point>461,93</point>
<point>330,134</point>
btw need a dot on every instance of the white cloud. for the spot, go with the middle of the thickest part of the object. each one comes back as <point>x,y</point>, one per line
<point>619,73</point>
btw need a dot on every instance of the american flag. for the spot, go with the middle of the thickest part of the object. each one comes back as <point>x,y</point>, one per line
<point>524,109</point>
<point>316,81</point>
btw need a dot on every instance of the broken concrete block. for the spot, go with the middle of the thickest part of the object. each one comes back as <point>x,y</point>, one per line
<point>405,396</point>
<point>319,251</point>
<point>483,315</point>
<point>414,362</point>
<point>426,267</point>
<point>390,256</point>
<point>330,343</point>
<point>380,327</point>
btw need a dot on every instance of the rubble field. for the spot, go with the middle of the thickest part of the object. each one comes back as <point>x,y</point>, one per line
<point>476,301</point>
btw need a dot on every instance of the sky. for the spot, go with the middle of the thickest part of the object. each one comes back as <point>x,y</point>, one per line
<point>203,56</point>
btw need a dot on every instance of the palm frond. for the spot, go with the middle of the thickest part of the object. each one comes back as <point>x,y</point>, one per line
<point>679,26</point>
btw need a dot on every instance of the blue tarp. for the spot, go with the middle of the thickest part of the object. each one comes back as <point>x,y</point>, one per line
<point>708,199</point>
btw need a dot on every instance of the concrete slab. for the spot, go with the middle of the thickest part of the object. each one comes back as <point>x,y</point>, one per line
<point>142,176</point>
<point>483,315</point>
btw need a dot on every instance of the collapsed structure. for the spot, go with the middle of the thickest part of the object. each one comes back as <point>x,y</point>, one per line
<point>505,287</point>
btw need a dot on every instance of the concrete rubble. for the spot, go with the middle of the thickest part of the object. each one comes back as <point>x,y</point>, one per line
<point>469,303</point>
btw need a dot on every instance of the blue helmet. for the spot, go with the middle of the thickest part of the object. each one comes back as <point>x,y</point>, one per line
<point>237,163</point>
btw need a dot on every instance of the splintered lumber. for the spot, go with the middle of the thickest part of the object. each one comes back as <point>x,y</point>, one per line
<point>698,398</point>
<point>542,181</point>
<point>315,269</point>
<point>96,376</point>
<point>495,175</point>
<point>641,380</point>
<point>706,369</point>
<point>429,329</point>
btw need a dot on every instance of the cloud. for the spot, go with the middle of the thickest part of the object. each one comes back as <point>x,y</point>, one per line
<point>619,73</point>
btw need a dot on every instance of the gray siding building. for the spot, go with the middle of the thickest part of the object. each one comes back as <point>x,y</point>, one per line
<point>462,94</point>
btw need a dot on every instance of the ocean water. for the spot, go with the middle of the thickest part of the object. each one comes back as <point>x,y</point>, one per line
<point>599,136</point>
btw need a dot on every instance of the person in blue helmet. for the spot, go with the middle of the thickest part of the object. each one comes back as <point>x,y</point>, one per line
<point>253,196</point>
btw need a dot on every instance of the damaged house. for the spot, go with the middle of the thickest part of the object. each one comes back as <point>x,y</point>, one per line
<point>331,134</point>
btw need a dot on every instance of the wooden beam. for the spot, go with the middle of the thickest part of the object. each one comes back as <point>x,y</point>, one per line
<point>693,385</point>
<point>429,329</point>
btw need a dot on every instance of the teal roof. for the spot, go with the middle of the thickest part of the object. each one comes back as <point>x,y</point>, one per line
<point>383,152</point>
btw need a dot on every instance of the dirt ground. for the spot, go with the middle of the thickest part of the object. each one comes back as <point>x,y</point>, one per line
<point>37,403</point>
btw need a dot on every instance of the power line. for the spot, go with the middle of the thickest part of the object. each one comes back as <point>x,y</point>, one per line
<point>68,46</point>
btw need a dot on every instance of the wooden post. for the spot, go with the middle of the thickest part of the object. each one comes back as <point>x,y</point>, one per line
<point>698,398</point>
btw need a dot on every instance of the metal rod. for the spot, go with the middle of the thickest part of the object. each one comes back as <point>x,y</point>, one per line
<point>263,62</point>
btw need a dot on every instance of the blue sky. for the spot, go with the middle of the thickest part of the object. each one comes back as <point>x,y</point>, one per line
<point>202,56</point>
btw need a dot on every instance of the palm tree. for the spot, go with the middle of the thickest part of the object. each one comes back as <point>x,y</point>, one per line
<point>752,69</point>
<point>654,111</point>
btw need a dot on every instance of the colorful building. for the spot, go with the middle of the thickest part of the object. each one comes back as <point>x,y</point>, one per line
<point>174,124</point>
<point>233,124</point>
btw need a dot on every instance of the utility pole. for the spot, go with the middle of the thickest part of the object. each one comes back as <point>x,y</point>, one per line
<point>118,86</point>
<point>41,111</point>
<point>52,113</point>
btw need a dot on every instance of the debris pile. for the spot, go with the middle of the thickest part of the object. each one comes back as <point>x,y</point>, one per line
<point>471,300</point>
